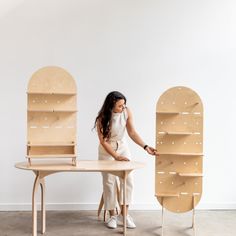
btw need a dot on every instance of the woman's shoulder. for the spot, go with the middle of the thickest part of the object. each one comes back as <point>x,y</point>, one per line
<point>127,113</point>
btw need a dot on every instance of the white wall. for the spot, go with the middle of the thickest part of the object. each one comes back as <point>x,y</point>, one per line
<point>140,47</point>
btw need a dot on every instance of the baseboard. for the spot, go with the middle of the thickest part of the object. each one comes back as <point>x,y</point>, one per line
<point>94,206</point>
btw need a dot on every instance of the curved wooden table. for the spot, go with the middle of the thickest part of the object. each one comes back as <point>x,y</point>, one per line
<point>45,168</point>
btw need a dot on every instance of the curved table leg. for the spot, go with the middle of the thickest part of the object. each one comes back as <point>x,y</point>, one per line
<point>43,212</point>
<point>38,181</point>
<point>162,217</point>
<point>193,219</point>
<point>34,205</point>
<point>124,203</point>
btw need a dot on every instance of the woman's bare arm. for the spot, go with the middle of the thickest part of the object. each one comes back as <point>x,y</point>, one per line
<point>135,136</point>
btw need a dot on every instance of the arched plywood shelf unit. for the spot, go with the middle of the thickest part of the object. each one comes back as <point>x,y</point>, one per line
<point>179,141</point>
<point>51,115</point>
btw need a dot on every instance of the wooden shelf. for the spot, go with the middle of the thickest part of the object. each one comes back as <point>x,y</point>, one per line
<point>167,172</point>
<point>37,110</point>
<point>52,156</point>
<point>50,144</point>
<point>51,112</point>
<point>64,110</point>
<point>175,133</point>
<point>179,133</point>
<point>168,112</point>
<point>178,112</point>
<point>191,174</point>
<point>50,93</point>
<point>167,194</point>
<point>181,154</point>
<point>176,194</point>
<point>179,144</point>
<point>34,110</point>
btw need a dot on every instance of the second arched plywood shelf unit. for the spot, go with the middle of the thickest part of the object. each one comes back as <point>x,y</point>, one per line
<point>51,115</point>
<point>179,141</point>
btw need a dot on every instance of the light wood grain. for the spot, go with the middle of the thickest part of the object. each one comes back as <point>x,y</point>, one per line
<point>93,166</point>
<point>51,114</point>
<point>179,141</point>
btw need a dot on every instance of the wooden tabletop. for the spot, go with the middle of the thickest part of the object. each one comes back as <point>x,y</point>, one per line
<point>82,165</point>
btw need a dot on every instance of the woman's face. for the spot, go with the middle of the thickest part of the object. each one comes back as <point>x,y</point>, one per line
<point>119,106</point>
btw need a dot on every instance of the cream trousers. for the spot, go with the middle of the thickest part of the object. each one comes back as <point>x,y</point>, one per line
<point>110,181</point>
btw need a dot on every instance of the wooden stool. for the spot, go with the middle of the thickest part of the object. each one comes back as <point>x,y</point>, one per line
<point>102,203</point>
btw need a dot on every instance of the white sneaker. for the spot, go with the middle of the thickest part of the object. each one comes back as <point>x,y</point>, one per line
<point>129,221</point>
<point>112,222</point>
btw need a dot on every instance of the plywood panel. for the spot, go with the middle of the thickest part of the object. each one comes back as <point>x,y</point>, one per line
<point>179,141</point>
<point>51,114</point>
<point>52,79</point>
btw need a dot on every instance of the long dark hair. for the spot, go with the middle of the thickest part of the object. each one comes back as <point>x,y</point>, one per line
<point>105,113</point>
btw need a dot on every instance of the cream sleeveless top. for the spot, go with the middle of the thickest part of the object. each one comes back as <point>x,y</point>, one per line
<point>118,125</point>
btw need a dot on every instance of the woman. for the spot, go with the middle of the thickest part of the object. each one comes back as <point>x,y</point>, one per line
<point>112,121</point>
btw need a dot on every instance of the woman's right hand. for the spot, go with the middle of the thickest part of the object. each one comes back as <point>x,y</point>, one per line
<point>121,158</point>
<point>151,151</point>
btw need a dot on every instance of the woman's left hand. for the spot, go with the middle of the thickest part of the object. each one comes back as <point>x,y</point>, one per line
<point>151,151</point>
